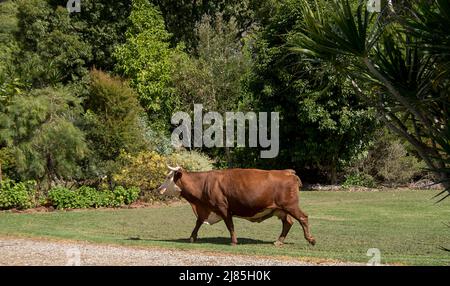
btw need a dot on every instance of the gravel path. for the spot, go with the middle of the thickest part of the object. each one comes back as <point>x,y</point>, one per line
<point>24,251</point>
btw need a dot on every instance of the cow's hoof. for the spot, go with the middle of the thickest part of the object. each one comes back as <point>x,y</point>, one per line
<point>312,241</point>
<point>233,243</point>
<point>192,239</point>
<point>278,243</point>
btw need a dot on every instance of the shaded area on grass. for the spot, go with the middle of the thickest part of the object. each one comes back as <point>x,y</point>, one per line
<point>210,240</point>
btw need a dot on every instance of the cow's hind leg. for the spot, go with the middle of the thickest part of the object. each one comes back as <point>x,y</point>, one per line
<point>228,219</point>
<point>302,218</point>
<point>287,224</point>
<point>229,222</point>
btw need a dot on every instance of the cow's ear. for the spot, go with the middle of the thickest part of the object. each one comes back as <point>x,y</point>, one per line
<point>178,175</point>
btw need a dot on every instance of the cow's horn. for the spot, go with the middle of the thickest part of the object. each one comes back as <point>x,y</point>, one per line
<point>173,168</point>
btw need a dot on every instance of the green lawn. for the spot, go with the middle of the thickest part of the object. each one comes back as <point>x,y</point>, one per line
<point>406,226</point>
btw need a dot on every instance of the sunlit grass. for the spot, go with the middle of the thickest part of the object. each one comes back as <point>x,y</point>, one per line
<point>406,226</point>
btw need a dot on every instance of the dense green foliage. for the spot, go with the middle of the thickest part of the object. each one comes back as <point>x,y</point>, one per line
<point>39,128</point>
<point>55,46</point>
<point>359,180</point>
<point>112,122</point>
<point>24,195</point>
<point>191,161</point>
<point>86,197</point>
<point>8,26</point>
<point>51,49</point>
<point>182,17</point>
<point>17,195</point>
<point>213,77</point>
<point>102,25</point>
<point>394,63</point>
<point>145,58</point>
<point>323,122</point>
<point>387,161</point>
<point>86,96</point>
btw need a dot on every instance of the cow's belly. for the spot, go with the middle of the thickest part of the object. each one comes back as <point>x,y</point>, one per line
<point>259,217</point>
<point>213,218</point>
<point>265,214</point>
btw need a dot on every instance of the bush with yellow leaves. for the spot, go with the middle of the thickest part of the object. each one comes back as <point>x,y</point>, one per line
<point>191,161</point>
<point>143,170</point>
<point>147,169</point>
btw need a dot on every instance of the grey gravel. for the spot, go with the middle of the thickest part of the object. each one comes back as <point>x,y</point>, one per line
<point>24,251</point>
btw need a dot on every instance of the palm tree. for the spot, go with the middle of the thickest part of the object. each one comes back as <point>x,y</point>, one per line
<point>397,60</point>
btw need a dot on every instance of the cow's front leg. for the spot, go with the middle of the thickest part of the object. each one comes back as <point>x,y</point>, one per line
<point>194,233</point>
<point>229,222</point>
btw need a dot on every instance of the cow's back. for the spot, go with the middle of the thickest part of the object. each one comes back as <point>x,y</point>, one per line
<point>249,191</point>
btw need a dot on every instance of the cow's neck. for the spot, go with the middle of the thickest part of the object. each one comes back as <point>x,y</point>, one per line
<point>191,185</point>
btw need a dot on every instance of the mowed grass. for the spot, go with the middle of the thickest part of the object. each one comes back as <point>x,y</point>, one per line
<point>406,226</point>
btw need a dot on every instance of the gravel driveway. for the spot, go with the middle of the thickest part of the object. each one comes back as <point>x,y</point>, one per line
<point>24,251</point>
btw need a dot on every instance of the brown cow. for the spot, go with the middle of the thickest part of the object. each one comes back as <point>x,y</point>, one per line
<point>255,195</point>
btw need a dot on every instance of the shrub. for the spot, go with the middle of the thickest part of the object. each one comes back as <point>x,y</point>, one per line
<point>360,180</point>
<point>146,60</point>
<point>39,129</point>
<point>112,119</point>
<point>144,170</point>
<point>17,195</point>
<point>87,197</point>
<point>147,169</point>
<point>125,196</point>
<point>7,163</point>
<point>63,198</point>
<point>387,161</point>
<point>90,197</point>
<point>154,139</point>
<point>396,166</point>
<point>191,161</point>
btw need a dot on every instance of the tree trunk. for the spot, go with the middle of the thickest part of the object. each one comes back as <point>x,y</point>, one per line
<point>333,172</point>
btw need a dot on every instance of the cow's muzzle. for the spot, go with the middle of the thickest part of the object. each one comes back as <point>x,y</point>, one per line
<point>161,190</point>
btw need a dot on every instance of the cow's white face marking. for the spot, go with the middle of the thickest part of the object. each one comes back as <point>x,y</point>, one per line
<point>169,183</point>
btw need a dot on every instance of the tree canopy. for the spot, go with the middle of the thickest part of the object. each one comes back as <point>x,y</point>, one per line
<point>146,59</point>
<point>323,121</point>
<point>40,129</point>
<point>81,91</point>
<point>394,63</point>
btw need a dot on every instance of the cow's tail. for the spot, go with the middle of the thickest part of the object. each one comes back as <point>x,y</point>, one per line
<point>300,184</point>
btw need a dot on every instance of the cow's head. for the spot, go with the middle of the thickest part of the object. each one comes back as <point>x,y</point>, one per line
<point>169,183</point>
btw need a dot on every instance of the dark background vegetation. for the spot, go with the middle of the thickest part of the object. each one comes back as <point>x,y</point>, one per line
<point>86,98</point>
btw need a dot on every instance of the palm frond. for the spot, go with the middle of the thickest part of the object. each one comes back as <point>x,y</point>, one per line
<point>338,32</point>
